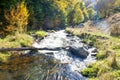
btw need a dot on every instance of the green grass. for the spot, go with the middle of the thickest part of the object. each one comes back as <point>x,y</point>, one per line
<point>14,41</point>
<point>108,57</point>
<point>17,40</point>
<point>4,56</point>
<point>41,34</point>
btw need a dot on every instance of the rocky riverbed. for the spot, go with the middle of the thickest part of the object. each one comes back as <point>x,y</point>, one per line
<point>74,57</point>
<point>64,63</point>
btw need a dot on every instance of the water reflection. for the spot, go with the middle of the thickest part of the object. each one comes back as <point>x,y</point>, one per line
<point>28,68</point>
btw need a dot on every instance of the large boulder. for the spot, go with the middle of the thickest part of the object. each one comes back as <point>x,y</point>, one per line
<point>78,51</point>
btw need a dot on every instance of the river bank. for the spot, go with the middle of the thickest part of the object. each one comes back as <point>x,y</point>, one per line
<point>107,65</point>
<point>48,64</point>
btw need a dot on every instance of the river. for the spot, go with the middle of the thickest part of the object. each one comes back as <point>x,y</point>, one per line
<point>47,64</point>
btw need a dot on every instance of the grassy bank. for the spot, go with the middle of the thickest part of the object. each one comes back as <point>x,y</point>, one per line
<point>13,41</point>
<point>16,41</point>
<point>107,66</point>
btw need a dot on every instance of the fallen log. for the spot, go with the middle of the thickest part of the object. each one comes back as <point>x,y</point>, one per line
<point>30,48</point>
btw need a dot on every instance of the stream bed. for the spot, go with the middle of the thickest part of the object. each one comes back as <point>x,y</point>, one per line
<point>62,64</point>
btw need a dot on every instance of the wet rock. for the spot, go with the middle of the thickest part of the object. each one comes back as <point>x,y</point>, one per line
<point>95,50</point>
<point>69,35</point>
<point>91,44</point>
<point>93,54</point>
<point>78,51</point>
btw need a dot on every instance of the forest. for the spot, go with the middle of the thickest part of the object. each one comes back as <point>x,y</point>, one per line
<point>26,23</point>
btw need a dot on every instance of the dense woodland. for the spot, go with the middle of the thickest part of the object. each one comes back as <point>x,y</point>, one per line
<point>33,15</point>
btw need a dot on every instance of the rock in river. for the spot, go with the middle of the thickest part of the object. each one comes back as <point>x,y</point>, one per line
<point>78,51</point>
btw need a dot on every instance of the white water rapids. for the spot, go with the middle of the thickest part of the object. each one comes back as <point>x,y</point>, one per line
<point>72,64</point>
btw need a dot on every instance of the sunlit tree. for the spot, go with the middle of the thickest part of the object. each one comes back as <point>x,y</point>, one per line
<point>76,16</point>
<point>16,18</point>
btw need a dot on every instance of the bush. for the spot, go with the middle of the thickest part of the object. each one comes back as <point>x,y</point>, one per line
<point>91,71</point>
<point>41,34</point>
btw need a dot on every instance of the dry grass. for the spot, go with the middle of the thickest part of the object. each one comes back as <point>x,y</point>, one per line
<point>115,29</point>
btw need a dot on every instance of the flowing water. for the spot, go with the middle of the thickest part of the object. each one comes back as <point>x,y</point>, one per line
<point>47,64</point>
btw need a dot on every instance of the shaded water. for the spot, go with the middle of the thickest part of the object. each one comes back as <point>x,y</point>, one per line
<point>49,65</point>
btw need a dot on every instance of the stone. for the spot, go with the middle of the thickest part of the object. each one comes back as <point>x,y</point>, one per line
<point>78,51</point>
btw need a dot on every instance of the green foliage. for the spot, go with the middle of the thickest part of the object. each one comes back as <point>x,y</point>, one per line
<point>86,14</point>
<point>10,41</point>
<point>44,14</point>
<point>90,72</point>
<point>51,13</point>
<point>76,16</point>
<point>51,31</point>
<point>4,56</point>
<point>107,65</point>
<point>41,34</point>
<point>107,8</point>
<point>91,13</point>
<point>17,40</point>
<point>101,55</point>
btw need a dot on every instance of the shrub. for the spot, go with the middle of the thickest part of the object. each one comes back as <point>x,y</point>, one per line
<point>41,34</point>
<point>91,71</point>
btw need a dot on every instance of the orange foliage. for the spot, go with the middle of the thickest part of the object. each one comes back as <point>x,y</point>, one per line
<point>17,18</point>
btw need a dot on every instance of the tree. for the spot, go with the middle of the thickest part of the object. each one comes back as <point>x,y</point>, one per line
<point>5,5</point>
<point>92,13</point>
<point>76,16</point>
<point>16,18</point>
<point>104,7</point>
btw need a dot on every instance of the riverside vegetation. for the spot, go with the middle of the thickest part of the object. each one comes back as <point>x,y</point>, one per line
<point>14,32</point>
<point>107,66</point>
<point>18,18</point>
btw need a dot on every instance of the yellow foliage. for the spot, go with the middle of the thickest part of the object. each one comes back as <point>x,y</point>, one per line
<point>117,3</point>
<point>17,18</point>
<point>63,5</point>
<point>78,15</point>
